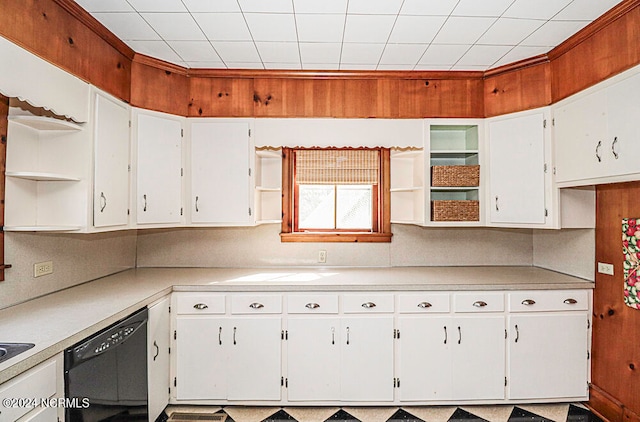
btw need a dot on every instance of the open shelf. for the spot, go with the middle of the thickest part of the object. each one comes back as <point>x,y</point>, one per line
<point>45,123</point>
<point>41,177</point>
<point>41,228</point>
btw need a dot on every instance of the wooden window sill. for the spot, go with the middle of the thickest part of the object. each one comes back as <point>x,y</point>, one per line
<point>336,237</point>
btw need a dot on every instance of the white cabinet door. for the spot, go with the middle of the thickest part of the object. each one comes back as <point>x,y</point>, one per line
<point>548,356</point>
<point>622,148</point>
<point>159,169</point>
<point>517,169</point>
<point>479,357</point>
<point>313,359</point>
<point>254,358</point>
<point>201,365</point>
<point>158,357</point>
<point>367,359</point>
<point>220,178</point>
<point>111,184</point>
<point>425,361</point>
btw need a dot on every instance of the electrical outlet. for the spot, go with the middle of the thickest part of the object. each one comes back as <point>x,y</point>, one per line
<point>605,268</point>
<point>322,256</point>
<point>42,268</point>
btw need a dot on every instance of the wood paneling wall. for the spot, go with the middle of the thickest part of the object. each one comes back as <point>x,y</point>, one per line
<point>616,327</point>
<point>157,87</point>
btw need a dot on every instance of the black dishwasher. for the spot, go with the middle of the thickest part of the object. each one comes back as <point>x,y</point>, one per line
<point>108,371</point>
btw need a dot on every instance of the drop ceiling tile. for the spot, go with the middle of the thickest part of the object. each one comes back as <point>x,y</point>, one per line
<point>520,53</point>
<point>271,26</point>
<point>432,8</point>
<point>278,52</point>
<point>245,65</point>
<point>283,66</point>
<point>212,6</point>
<point>463,30</point>
<point>395,67</point>
<point>266,6</point>
<point>431,67</point>
<point>462,67</point>
<point>539,9</point>
<point>194,50</point>
<point>206,65</point>
<point>321,66</point>
<point>508,31</point>
<point>320,28</point>
<point>320,52</point>
<point>407,54</point>
<point>357,53</point>
<point>483,55</point>
<point>369,28</point>
<point>158,6</point>
<point>174,26</point>
<point>585,9</point>
<point>489,8</point>
<point>237,52</point>
<point>324,6</point>
<point>127,26</point>
<point>374,7</point>
<point>444,55</point>
<point>357,67</point>
<point>105,6</point>
<point>553,33</point>
<point>416,29</point>
<point>157,49</point>
<point>223,26</point>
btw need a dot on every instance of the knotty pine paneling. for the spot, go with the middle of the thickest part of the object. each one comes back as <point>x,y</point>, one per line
<point>616,327</point>
<point>220,97</point>
<point>517,90</point>
<point>51,32</point>
<point>612,49</point>
<point>159,89</point>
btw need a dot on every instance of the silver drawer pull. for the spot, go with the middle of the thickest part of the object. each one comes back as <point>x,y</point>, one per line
<point>368,305</point>
<point>479,304</point>
<point>256,305</point>
<point>200,306</point>
<point>424,305</point>
<point>570,301</point>
<point>311,306</point>
<point>528,302</point>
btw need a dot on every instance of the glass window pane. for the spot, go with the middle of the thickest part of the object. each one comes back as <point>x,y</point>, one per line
<point>316,206</point>
<point>354,207</point>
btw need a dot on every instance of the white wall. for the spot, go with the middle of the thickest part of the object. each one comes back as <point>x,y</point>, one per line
<point>569,251</point>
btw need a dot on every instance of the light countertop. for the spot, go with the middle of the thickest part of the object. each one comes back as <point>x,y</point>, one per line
<point>57,321</point>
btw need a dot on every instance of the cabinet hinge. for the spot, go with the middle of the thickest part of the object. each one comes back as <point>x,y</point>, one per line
<point>286,383</point>
<point>175,381</point>
<point>588,324</point>
<point>281,381</point>
<point>169,309</point>
<point>128,211</point>
<point>181,172</point>
<point>249,211</point>
<point>175,334</point>
<point>169,350</point>
<point>553,122</point>
<point>249,133</point>
<point>128,167</point>
<point>249,171</point>
<point>545,168</point>
<point>544,124</point>
<point>546,212</point>
<point>505,334</point>
<point>588,355</point>
<point>396,383</point>
<point>180,210</point>
<point>284,335</point>
<point>182,133</point>
<point>396,333</point>
<point>129,123</point>
<point>505,381</point>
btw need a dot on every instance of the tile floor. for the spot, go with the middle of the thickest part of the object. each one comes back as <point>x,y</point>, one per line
<point>521,413</point>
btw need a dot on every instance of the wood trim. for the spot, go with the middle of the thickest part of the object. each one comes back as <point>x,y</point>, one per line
<point>604,405</point>
<point>4,126</point>
<point>336,237</point>
<point>515,66</point>
<point>287,199</point>
<point>159,64</point>
<point>590,30</point>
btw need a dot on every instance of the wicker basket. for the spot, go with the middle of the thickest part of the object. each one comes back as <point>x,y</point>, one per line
<point>455,210</point>
<point>443,176</point>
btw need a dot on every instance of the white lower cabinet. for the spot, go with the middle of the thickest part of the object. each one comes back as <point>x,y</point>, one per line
<point>158,357</point>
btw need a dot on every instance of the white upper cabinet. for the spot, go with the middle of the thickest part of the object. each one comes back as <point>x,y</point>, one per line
<point>596,133</point>
<point>111,148</point>
<point>518,176</point>
<point>158,195</point>
<point>220,172</point>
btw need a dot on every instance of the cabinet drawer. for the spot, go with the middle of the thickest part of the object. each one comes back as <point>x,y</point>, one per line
<point>369,303</point>
<point>312,304</point>
<point>256,304</point>
<point>39,382</point>
<point>552,300</point>
<point>418,303</point>
<point>200,303</point>
<point>478,302</point>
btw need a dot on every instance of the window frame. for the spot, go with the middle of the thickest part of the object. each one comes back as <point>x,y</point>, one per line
<point>381,222</point>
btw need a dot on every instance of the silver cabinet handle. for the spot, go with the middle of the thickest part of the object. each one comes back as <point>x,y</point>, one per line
<point>220,336</point>
<point>103,202</point>
<point>517,333</point>
<point>479,304</point>
<point>197,198</point>
<point>445,334</point>
<point>368,305</point>
<point>157,351</point>
<point>424,305</point>
<point>234,335</point>
<point>459,335</point>
<point>145,202</point>
<point>497,208</point>
<point>528,302</point>
<point>598,151</point>
<point>312,305</point>
<point>347,335</point>
<point>200,306</point>
<point>570,301</point>
<point>256,305</point>
<point>613,148</point>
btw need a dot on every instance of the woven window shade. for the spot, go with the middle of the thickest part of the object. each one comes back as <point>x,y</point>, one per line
<point>337,166</point>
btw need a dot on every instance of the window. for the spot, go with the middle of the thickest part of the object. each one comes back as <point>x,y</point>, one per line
<point>336,195</point>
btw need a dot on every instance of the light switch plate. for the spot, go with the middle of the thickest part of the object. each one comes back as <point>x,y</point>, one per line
<point>605,268</point>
